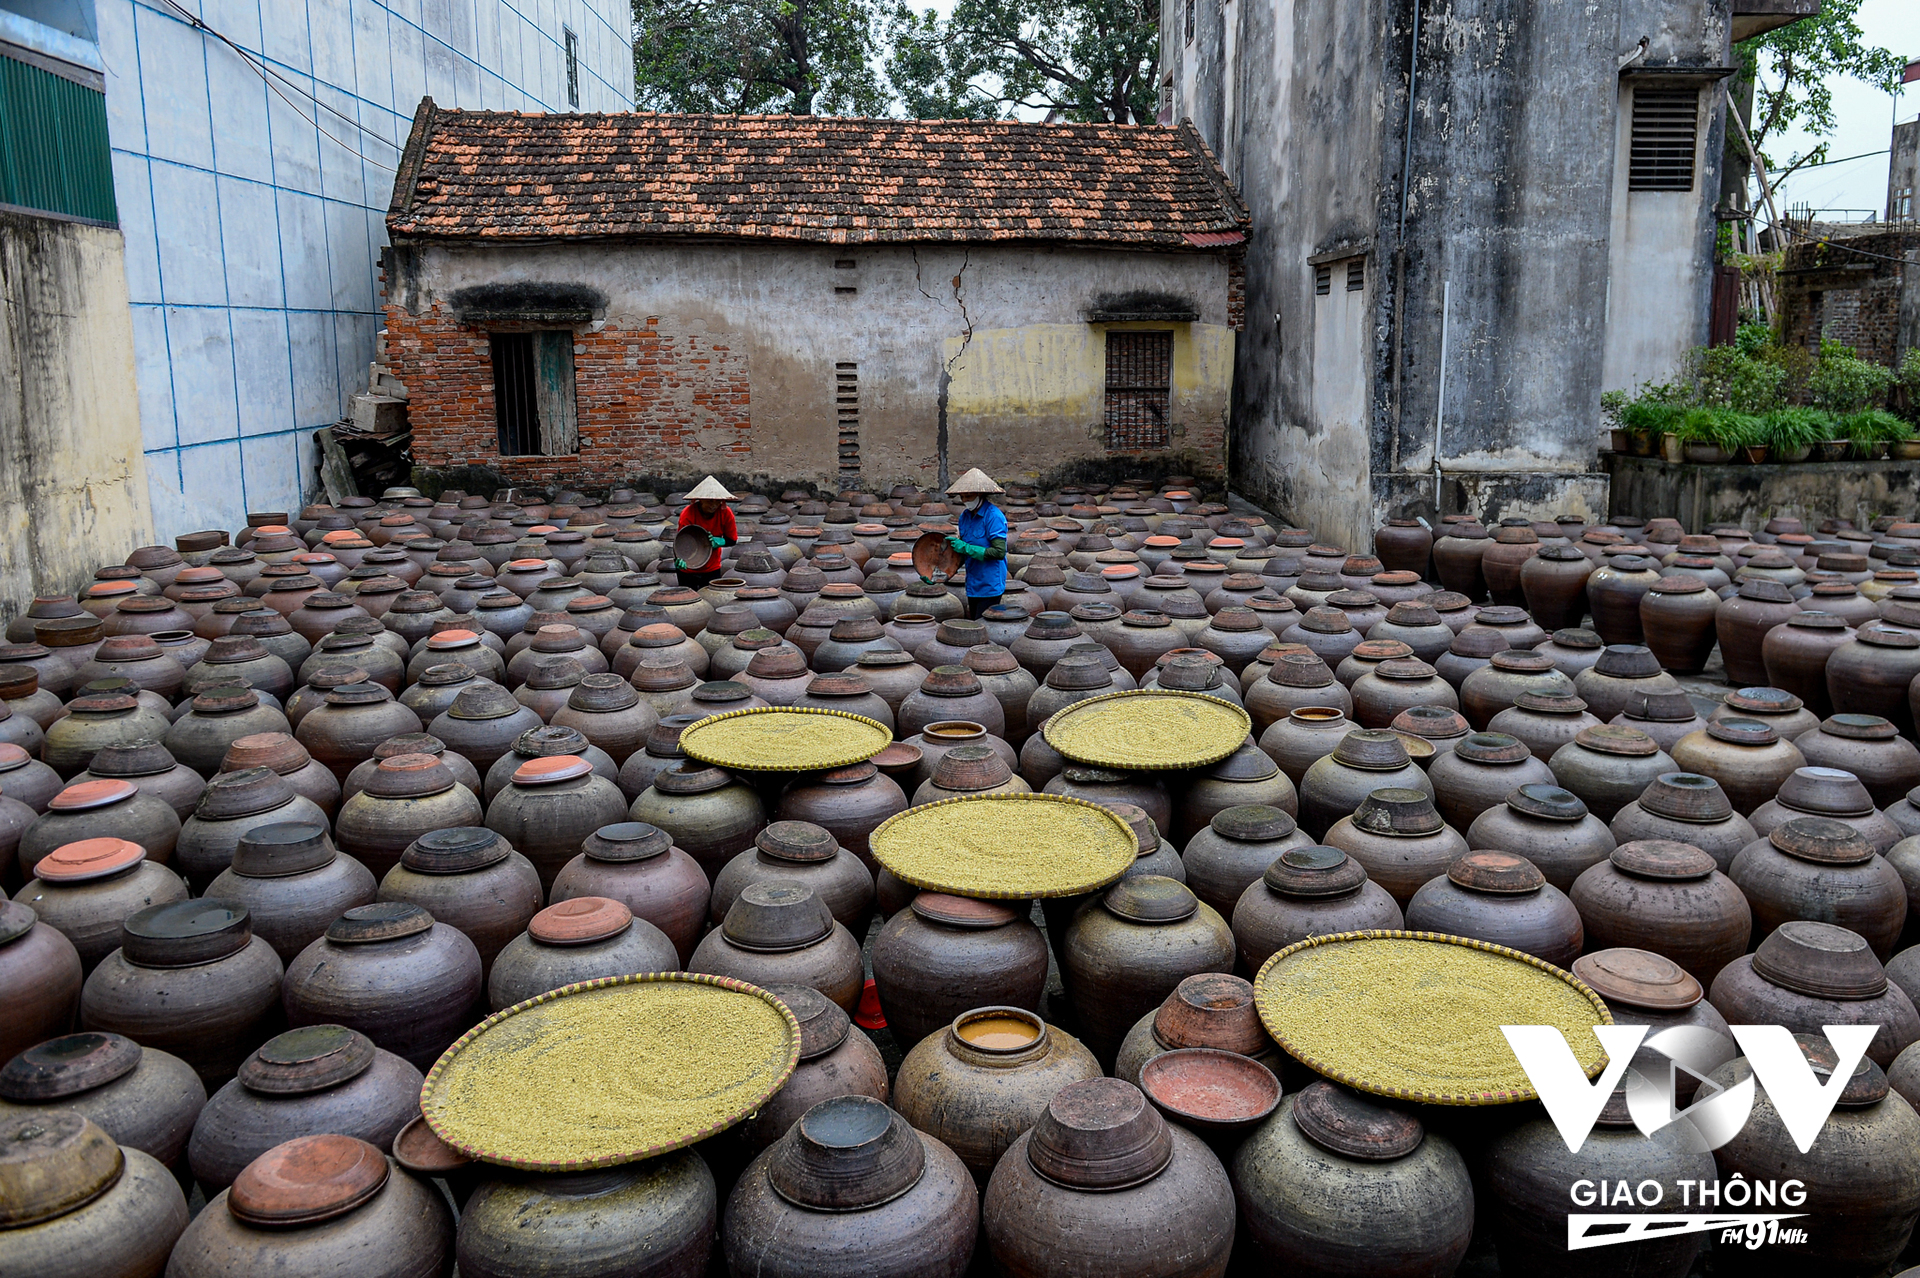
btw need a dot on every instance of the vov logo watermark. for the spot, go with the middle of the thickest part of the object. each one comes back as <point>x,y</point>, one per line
<point>1714,1117</point>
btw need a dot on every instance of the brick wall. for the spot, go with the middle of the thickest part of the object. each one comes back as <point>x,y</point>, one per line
<point>1850,297</point>
<point>648,402</point>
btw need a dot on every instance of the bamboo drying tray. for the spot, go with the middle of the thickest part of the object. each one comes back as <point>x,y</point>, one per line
<point>1006,846</point>
<point>800,739</point>
<point>1148,730</point>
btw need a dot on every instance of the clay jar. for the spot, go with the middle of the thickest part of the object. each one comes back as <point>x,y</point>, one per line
<point>1621,673</point>
<point>654,1217</point>
<point>1479,773</point>
<point>410,984</point>
<point>1365,760</point>
<point>1234,850</point>
<point>1307,891</point>
<point>1609,766</point>
<point>549,808</point>
<point>1554,585</point>
<point>40,978</point>
<point>353,719</point>
<point>293,882</point>
<point>1211,1011</point>
<point>1457,555</point>
<point>236,803</point>
<point>1860,1172</point>
<point>1870,748</point>
<point>1093,1186</point>
<point>1506,677</point>
<point>798,852</point>
<point>1010,683</point>
<point>1667,898</point>
<point>1741,625</point>
<point>406,797</point>
<point>81,1205</point>
<point>1744,756</point>
<point>1677,615</point>
<point>483,723</point>
<point>836,1059</point>
<point>1126,951</point>
<point>1796,653</point>
<point>306,1204</point>
<point>945,955</point>
<point>580,939</point>
<point>1304,736</point>
<point>31,783</point>
<point>983,1080</point>
<point>109,808</point>
<point>287,757</point>
<point>1336,1183</point>
<point>703,809</point>
<point>1683,807</point>
<point>1402,545</point>
<point>951,692</point>
<point>1395,685</point>
<point>782,934</point>
<point>189,978</point>
<point>1551,827</point>
<point>1830,793</point>
<point>470,879</point>
<point>1503,899</point>
<point>1784,712</point>
<point>1814,868</point>
<point>1297,680</point>
<point>543,743</point>
<point>1809,975</point>
<point>84,889</point>
<point>143,1099</point>
<point>1398,836</point>
<point>1872,673</point>
<point>851,802</point>
<point>94,722</point>
<point>1245,777</point>
<point>1644,988</point>
<point>320,1079</point>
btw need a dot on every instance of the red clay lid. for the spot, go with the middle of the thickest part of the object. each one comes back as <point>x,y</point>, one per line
<point>84,796</point>
<point>12,756</point>
<point>580,921</point>
<point>452,639</point>
<point>559,767</point>
<point>88,859</point>
<point>309,1179</point>
<point>962,911</point>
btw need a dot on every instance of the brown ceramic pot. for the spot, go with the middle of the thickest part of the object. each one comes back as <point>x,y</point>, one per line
<point>1669,899</point>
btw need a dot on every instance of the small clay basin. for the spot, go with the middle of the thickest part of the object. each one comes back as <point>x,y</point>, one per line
<point>1210,1090</point>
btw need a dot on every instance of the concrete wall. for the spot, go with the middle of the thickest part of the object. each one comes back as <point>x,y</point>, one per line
<point>254,216</point>
<point>70,457</point>
<point>728,357</point>
<point>1903,173</point>
<point>1700,496</point>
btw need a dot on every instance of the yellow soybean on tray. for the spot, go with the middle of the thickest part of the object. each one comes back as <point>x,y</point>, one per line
<point>1417,1015</point>
<point>1148,729</point>
<point>611,1071</point>
<point>784,739</point>
<point>1008,846</point>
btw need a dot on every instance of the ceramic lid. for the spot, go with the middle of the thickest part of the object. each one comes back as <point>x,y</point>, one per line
<point>1820,960</point>
<point>1372,749</point>
<point>824,1025</point>
<point>68,1066</point>
<point>356,692</point>
<point>417,1149</point>
<point>85,796</point>
<point>551,770</point>
<point>775,916</point>
<point>580,920</point>
<point>1608,738</point>
<point>1100,1134</point>
<point>1822,841</point>
<point>1687,796</point>
<point>1743,732</point>
<point>1151,899</point>
<point>411,776</point>
<point>307,1060</point>
<point>1812,619</point>
<point>1628,661</point>
<point>483,701</point>
<point>1299,670</point>
<point>1492,748</point>
<point>1638,978</point>
<point>16,920</point>
<point>1380,650</point>
<point>1763,701</point>
<point>1868,1085</point>
<point>798,841</point>
<point>1825,791</point>
<point>381,921</point>
<point>307,1180</point>
<point>1248,763</point>
<point>1859,727</point>
<point>276,751</point>
<point>248,792</point>
<point>1398,812</point>
<point>848,1153</point>
<point>1354,1126</point>
<point>1314,872</point>
<point>1432,723</point>
<point>1521,661</point>
<point>1496,873</point>
<point>1210,1090</point>
<point>963,912</point>
<point>1577,638</point>
<point>185,933</point>
<point>1662,859</point>
<point>51,1163</point>
<point>459,849</point>
<point>88,859</point>
<point>1886,637</point>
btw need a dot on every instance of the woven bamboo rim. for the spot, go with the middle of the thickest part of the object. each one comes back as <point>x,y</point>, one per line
<point>1267,992</point>
<point>690,741</point>
<point>1204,752</point>
<point>1126,848</point>
<point>744,1110</point>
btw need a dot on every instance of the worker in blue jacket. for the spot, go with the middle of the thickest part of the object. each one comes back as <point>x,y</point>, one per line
<point>982,539</point>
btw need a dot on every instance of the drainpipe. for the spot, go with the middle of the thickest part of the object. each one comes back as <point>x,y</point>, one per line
<point>1440,409</point>
<point>1400,237</point>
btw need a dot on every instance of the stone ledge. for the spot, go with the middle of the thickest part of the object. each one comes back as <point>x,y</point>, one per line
<point>1749,495</point>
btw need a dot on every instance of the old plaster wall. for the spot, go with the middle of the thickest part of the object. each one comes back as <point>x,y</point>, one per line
<point>736,358</point>
<point>70,457</point>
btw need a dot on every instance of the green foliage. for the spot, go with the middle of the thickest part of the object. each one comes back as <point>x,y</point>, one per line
<point>1722,427</point>
<point>1909,384</point>
<point>1650,417</point>
<point>1753,339</point>
<point>1787,430</point>
<point>1871,426</point>
<point>1611,402</point>
<point>1791,68</point>
<point>1842,382</point>
<point>1732,377</point>
<point>797,56</point>
<point>1085,60</point>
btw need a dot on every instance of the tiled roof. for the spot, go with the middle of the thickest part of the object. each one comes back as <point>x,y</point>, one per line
<point>497,176</point>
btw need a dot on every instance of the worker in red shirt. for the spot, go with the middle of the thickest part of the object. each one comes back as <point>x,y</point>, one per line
<point>707,512</point>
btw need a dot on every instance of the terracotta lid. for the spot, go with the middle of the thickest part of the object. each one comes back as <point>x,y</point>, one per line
<point>355,690</point>
<point>1446,601</point>
<point>1492,748</point>
<point>824,1025</point>
<point>410,776</point>
<point>581,920</point>
<point>1765,589</point>
<point>247,792</point>
<point>185,933</point>
<point>1763,701</point>
<point>1822,841</point>
<point>306,1180</point>
<point>307,1060</point>
<point>798,841</point>
<point>1521,660</point>
<point>551,769</point>
<point>1479,642</point>
<point>1825,792</point>
<point>1627,661</point>
<point>1617,739</point>
<point>12,756</point>
<point>88,859</point>
<point>1659,707</point>
<point>1398,811</point>
<point>84,796</point>
<point>103,703</point>
<point>1100,1134</point>
<point>421,1152</point>
<point>1859,727</point>
<point>1253,823</point>
<point>958,681</point>
<point>1687,796</point>
<point>381,921</point>
<point>67,1066</point>
<point>1410,612</point>
<point>963,912</point>
<point>456,850</point>
<point>1638,978</point>
<point>776,916</point>
<point>1812,619</point>
<point>1211,1010</point>
<point>1744,732</point>
<point>1326,621</point>
<point>1496,873</point>
<point>52,1163</point>
<point>1820,960</point>
<point>1869,1084</point>
<point>1151,899</point>
<point>1662,859</point>
<point>1381,650</point>
<point>1354,1126</point>
<point>1373,749</point>
<point>848,1153</point>
<point>1315,872</point>
<point>1547,802</point>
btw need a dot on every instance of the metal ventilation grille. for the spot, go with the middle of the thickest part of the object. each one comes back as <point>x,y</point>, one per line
<point>1666,125</point>
<point>846,402</point>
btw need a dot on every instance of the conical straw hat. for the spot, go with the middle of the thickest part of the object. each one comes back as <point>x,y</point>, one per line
<point>709,487</point>
<point>974,481</point>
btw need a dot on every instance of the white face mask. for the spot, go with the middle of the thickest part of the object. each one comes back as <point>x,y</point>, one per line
<point>971,503</point>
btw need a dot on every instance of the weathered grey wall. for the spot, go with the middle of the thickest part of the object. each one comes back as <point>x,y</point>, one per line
<point>1700,496</point>
<point>73,486</point>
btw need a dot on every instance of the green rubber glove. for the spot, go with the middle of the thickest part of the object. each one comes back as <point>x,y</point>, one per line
<point>680,564</point>
<point>717,540</point>
<point>967,549</point>
<point>925,580</point>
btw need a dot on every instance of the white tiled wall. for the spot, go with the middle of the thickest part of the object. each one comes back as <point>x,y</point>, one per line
<point>254,218</point>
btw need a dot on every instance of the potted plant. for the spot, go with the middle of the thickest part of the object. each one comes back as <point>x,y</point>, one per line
<point>1871,430</point>
<point>1791,433</point>
<point>1714,436</point>
<point>1647,422</point>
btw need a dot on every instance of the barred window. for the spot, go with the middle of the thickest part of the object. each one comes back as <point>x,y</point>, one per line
<point>1139,391</point>
<point>533,394</point>
<point>572,43</point>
